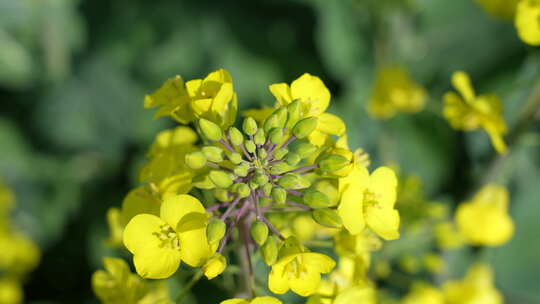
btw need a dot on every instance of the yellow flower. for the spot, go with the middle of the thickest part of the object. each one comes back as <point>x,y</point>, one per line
<point>469,112</point>
<point>166,170</point>
<point>314,97</point>
<point>212,98</point>
<point>369,200</point>
<point>505,9</point>
<point>447,236</point>
<point>423,293</point>
<point>117,285</point>
<point>485,219</point>
<point>395,91</point>
<point>10,291</point>
<point>178,234</point>
<point>527,21</point>
<point>476,288</point>
<point>214,266</point>
<point>298,270</point>
<point>257,300</point>
<point>19,254</point>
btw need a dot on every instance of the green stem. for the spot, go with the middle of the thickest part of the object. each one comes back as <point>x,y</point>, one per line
<point>184,292</point>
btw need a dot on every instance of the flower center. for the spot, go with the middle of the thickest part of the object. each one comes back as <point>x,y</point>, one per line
<point>168,237</point>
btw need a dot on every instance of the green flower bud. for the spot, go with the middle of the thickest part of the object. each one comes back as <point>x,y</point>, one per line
<point>281,115</point>
<point>242,170</point>
<point>236,136</point>
<point>271,122</point>
<point>292,159</point>
<point>215,230</point>
<point>330,188</point>
<point>253,185</point>
<point>259,232</point>
<point>250,146</point>
<point>276,136</point>
<point>262,154</point>
<point>222,195</point>
<point>269,250</point>
<point>294,110</point>
<point>279,195</point>
<point>280,168</point>
<point>327,217</point>
<point>316,199</point>
<point>235,158</point>
<point>304,149</point>
<point>260,137</point>
<point>221,179</point>
<point>304,127</point>
<point>250,126</point>
<point>293,181</point>
<point>280,153</point>
<point>213,154</point>
<point>242,190</point>
<point>261,179</point>
<point>333,162</point>
<point>267,189</point>
<point>195,160</point>
<point>210,130</point>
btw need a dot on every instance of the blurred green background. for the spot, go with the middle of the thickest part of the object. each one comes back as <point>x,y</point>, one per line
<point>73,131</point>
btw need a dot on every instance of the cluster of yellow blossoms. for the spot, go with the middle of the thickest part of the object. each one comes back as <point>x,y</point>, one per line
<point>524,13</point>
<point>18,254</point>
<point>281,187</point>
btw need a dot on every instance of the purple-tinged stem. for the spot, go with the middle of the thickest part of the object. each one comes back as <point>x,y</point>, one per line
<point>301,206</point>
<point>290,140</point>
<point>246,154</point>
<point>270,226</point>
<point>230,209</point>
<point>226,144</point>
<point>315,166</point>
<point>247,265</point>
<point>217,206</point>
<point>294,192</point>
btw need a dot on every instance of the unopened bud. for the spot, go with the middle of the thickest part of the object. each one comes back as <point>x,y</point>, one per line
<point>195,160</point>
<point>259,232</point>
<point>330,189</point>
<point>267,189</point>
<point>215,231</point>
<point>271,122</point>
<point>242,170</point>
<point>220,178</point>
<point>276,136</point>
<point>294,110</point>
<point>304,149</point>
<point>281,115</point>
<point>327,217</point>
<point>214,266</point>
<point>250,126</point>
<point>316,199</point>
<point>280,168</point>
<point>293,181</point>
<point>242,190</point>
<point>269,250</point>
<point>222,195</point>
<point>250,146</point>
<point>279,154</point>
<point>259,137</point>
<point>304,127</point>
<point>261,179</point>
<point>236,136</point>
<point>292,159</point>
<point>333,162</point>
<point>213,154</point>
<point>235,158</point>
<point>279,195</point>
<point>262,154</point>
<point>210,130</point>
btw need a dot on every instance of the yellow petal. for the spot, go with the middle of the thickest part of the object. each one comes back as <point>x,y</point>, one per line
<point>312,93</point>
<point>351,209</point>
<point>235,301</point>
<point>139,201</point>
<point>459,115</point>
<point>174,208</point>
<point>383,221</point>
<point>462,83</point>
<point>330,124</point>
<point>318,262</point>
<point>220,75</point>
<point>306,284</point>
<point>358,177</point>
<point>527,16</point>
<point>383,184</point>
<point>222,98</point>
<point>157,264</point>
<point>138,234</point>
<point>281,92</point>
<point>277,279</point>
<point>356,295</point>
<point>266,300</point>
<point>194,247</point>
<point>496,139</point>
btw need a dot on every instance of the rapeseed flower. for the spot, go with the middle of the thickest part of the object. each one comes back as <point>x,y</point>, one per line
<point>469,112</point>
<point>257,300</point>
<point>528,21</point>
<point>476,288</point>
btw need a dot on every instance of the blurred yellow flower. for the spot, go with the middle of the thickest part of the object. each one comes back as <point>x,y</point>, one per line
<point>505,9</point>
<point>423,293</point>
<point>178,234</point>
<point>528,21</point>
<point>212,98</point>
<point>395,91</point>
<point>10,291</point>
<point>314,98</point>
<point>469,112</point>
<point>476,288</point>
<point>214,266</point>
<point>485,220</point>
<point>369,200</point>
<point>448,236</point>
<point>257,300</point>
